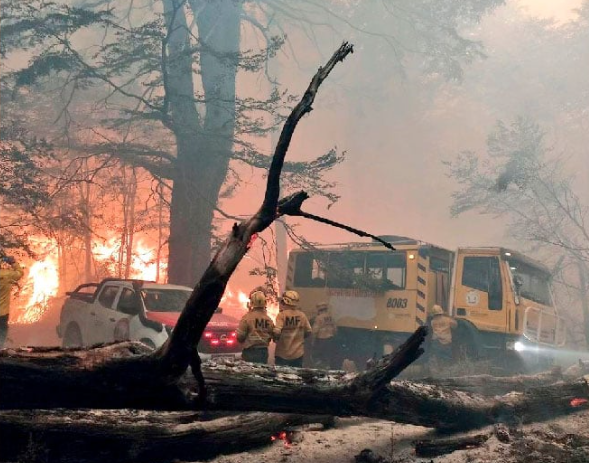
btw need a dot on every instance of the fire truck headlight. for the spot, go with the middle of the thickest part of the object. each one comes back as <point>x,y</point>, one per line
<point>519,346</point>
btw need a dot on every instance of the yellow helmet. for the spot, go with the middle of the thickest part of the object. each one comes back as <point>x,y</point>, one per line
<point>437,310</point>
<point>322,306</point>
<point>257,300</point>
<point>291,298</point>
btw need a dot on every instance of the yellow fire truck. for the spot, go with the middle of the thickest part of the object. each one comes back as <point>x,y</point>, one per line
<point>501,299</point>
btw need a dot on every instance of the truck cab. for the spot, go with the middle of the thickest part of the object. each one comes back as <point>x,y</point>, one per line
<point>504,301</point>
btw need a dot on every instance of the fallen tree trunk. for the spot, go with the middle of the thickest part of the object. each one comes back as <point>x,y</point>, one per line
<point>96,436</point>
<point>496,385</point>
<point>242,386</point>
<point>52,378</point>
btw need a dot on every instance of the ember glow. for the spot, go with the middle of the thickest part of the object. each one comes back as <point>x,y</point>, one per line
<point>577,402</point>
<point>283,436</point>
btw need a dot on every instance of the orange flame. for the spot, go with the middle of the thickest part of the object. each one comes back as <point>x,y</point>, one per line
<point>236,303</point>
<point>40,285</point>
<point>41,282</point>
<point>143,263</point>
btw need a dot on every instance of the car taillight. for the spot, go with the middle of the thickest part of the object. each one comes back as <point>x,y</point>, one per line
<point>215,342</point>
<point>208,334</point>
<point>230,342</point>
<point>233,334</point>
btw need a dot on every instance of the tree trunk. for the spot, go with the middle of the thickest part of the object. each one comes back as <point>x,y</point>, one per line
<point>179,97</point>
<point>583,271</point>
<point>203,151</point>
<point>136,436</point>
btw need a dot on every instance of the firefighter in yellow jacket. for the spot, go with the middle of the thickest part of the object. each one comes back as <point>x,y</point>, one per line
<point>324,331</point>
<point>292,327</point>
<point>442,326</point>
<point>10,273</point>
<point>255,330</point>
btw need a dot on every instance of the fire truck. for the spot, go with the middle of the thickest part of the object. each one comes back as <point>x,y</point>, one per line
<point>501,299</point>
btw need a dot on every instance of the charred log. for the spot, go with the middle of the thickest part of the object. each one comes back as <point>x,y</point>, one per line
<point>52,378</point>
<point>497,385</point>
<point>241,386</point>
<point>436,447</point>
<point>88,436</point>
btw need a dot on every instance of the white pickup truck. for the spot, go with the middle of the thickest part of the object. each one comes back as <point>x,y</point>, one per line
<point>120,310</point>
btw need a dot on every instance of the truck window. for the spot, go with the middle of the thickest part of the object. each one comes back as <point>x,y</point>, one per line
<point>107,296</point>
<point>309,271</point>
<point>127,302</point>
<point>484,274</point>
<point>343,269</point>
<point>387,269</point>
<point>534,283</point>
<point>165,300</point>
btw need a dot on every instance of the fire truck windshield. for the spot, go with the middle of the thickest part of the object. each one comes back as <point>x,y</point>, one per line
<point>531,282</point>
<point>164,300</point>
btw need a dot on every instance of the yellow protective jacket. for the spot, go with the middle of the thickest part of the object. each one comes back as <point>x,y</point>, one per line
<point>324,326</point>
<point>255,329</point>
<point>292,327</point>
<point>442,326</point>
<point>8,277</point>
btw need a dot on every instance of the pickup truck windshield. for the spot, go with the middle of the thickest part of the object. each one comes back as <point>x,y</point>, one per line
<point>164,300</point>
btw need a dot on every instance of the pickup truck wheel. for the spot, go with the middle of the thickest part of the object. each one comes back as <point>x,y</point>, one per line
<point>148,343</point>
<point>72,337</point>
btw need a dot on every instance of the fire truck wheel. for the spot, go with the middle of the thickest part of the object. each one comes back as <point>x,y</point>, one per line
<point>148,342</point>
<point>72,337</point>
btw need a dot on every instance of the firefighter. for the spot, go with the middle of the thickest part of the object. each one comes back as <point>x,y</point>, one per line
<point>292,327</point>
<point>441,342</point>
<point>10,273</point>
<point>255,330</point>
<point>324,331</point>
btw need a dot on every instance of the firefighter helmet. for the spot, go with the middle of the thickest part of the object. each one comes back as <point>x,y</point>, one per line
<point>291,298</point>
<point>437,310</point>
<point>257,300</point>
<point>322,306</point>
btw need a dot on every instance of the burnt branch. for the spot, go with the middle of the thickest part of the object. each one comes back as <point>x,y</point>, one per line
<point>303,107</point>
<point>291,205</point>
<point>180,350</point>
